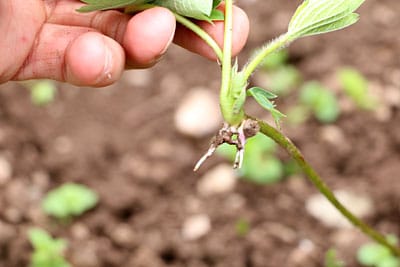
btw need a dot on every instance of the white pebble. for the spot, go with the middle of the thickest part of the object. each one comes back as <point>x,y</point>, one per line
<point>198,114</point>
<point>220,179</point>
<point>321,209</point>
<point>196,227</point>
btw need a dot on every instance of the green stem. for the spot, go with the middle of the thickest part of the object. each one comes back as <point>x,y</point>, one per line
<point>227,51</point>
<point>322,187</point>
<point>188,24</point>
<point>268,49</point>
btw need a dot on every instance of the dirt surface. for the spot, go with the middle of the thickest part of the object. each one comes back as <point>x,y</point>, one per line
<point>121,141</point>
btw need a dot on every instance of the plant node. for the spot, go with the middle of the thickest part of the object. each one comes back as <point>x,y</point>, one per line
<point>232,135</point>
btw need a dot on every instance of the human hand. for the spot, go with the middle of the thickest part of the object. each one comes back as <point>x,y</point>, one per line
<point>49,39</point>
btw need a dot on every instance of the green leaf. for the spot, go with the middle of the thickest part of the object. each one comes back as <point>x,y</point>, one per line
<point>191,8</point>
<point>321,101</point>
<point>94,5</point>
<point>217,15</point>
<point>331,259</point>
<point>389,262</point>
<point>48,252</point>
<point>69,200</point>
<point>320,16</point>
<point>43,92</point>
<point>242,227</point>
<point>261,92</point>
<point>201,10</point>
<point>355,85</point>
<point>263,98</point>
<point>330,27</point>
<point>372,254</point>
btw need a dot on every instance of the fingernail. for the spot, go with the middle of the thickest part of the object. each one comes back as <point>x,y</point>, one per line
<point>171,38</point>
<point>108,64</point>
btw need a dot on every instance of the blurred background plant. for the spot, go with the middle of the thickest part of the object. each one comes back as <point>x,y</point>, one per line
<point>69,200</point>
<point>376,255</point>
<point>42,92</point>
<point>47,251</point>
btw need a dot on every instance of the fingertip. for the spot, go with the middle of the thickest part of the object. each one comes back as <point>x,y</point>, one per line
<point>93,60</point>
<point>148,36</point>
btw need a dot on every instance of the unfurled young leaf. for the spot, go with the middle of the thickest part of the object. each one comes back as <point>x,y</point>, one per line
<point>321,16</point>
<point>264,98</point>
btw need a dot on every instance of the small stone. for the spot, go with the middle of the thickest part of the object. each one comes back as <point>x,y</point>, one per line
<point>348,238</point>
<point>220,179</point>
<point>5,170</point>
<point>144,257</point>
<point>196,227</point>
<point>303,254</point>
<point>85,255</point>
<point>281,232</point>
<point>333,135</point>
<point>324,211</point>
<point>123,235</point>
<point>198,114</point>
<point>80,231</point>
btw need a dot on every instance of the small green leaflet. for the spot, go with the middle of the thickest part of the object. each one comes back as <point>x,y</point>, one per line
<point>320,16</point>
<point>201,10</point>
<point>264,98</point>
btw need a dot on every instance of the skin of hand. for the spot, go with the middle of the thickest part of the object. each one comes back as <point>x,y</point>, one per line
<point>49,39</point>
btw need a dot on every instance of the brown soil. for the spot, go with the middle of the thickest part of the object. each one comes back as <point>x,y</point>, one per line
<point>122,143</point>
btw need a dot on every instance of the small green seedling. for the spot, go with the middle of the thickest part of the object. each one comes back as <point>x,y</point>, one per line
<point>242,227</point>
<point>47,252</point>
<point>69,200</point>
<point>320,101</point>
<point>260,165</point>
<point>376,255</point>
<point>331,259</point>
<point>355,85</point>
<point>43,92</point>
